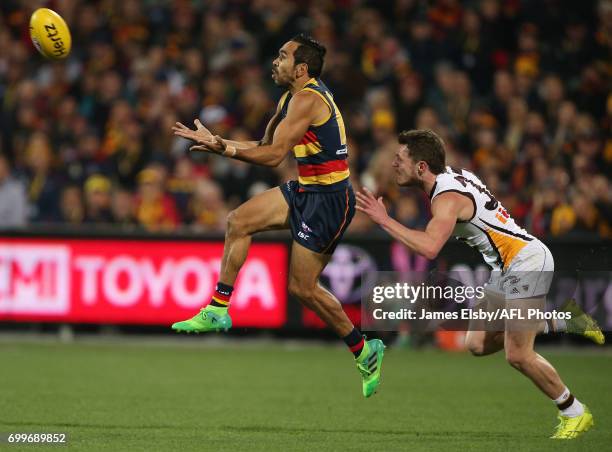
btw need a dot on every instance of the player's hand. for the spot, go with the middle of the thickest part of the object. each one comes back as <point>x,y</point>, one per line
<point>372,207</point>
<point>215,146</point>
<point>200,135</point>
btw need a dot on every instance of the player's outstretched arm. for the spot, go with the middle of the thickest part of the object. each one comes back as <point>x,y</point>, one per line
<point>203,136</point>
<point>445,210</point>
<point>302,111</point>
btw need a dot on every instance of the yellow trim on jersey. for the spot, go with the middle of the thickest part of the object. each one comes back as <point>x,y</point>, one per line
<point>304,150</point>
<point>507,246</point>
<point>325,179</point>
<point>282,100</point>
<point>317,124</point>
<point>339,120</point>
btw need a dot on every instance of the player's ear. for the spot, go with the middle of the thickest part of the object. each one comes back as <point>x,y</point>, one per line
<point>300,69</point>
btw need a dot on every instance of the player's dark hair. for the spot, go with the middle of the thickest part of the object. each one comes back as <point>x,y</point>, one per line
<point>427,146</point>
<point>311,53</point>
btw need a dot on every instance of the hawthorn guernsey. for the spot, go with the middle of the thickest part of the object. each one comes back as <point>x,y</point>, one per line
<point>461,205</point>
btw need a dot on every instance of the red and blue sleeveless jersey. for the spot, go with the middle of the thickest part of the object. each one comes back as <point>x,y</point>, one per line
<point>321,154</point>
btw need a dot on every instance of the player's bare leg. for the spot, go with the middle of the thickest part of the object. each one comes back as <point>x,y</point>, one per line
<point>305,269</point>
<point>521,355</point>
<point>575,418</point>
<point>264,212</point>
<point>482,343</point>
<point>484,338</point>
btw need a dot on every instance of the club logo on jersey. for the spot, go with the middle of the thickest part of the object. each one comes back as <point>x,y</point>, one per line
<point>342,150</point>
<point>502,215</point>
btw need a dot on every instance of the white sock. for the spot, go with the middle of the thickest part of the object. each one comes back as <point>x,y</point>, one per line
<point>554,326</point>
<point>559,325</point>
<point>575,409</point>
<point>563,397</point>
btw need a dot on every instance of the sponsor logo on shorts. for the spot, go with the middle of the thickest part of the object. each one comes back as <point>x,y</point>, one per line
<point>303,236</point>
<point>305,227</point>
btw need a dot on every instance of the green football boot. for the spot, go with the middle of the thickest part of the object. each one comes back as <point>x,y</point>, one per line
<point>369,364</point>
<point>210,318</point>
<point>581,323</point>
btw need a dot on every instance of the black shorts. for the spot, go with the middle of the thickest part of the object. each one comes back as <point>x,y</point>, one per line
<point>318,219</point>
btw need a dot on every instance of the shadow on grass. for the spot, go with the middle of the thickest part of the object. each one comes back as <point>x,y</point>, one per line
<point>407,433</point>
<point>102,426</point>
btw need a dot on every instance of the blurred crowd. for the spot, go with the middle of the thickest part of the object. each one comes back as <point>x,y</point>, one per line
<point>518,89</point>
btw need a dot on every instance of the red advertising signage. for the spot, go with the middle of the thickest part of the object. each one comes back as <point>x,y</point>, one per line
<point>134,281</point>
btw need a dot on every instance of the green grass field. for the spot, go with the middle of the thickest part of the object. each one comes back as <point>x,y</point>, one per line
<point>148,397</point>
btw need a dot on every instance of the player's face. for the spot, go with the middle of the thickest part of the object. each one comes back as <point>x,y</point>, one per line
<point>406,169</point>
<point>283,67</point>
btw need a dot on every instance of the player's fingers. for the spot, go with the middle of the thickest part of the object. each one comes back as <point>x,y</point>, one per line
<point>368,193</point>
<point>198,148</point>
<point>363,203</point>
<point>180,125</point>
<point>363,198</point>
<point>182,133</point>
<point>199,125</point>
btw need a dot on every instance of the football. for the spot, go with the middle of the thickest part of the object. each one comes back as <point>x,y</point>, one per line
<point>50,34</point>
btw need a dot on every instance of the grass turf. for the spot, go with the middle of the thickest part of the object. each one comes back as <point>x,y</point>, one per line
<point>141,397</point>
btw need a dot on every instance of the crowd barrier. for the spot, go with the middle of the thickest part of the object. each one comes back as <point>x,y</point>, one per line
<point>115,278</point>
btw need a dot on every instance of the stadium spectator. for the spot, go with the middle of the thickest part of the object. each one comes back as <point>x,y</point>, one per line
<point>515,90</point>
<point>13,203</point>
<point>122,205</point>
<point>155,209</point>
<point>43,183</point>
<point>71,209</point>
<point>98,200</point>
<point>207,207</point>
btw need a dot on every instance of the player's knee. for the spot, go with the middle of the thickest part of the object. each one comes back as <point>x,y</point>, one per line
<point>474,342</point>
<point>476,348</point>
<point>517,358</point>
<point>235,224</point>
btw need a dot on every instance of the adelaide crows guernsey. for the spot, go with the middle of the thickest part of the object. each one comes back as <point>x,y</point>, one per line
<point>321,154</point>
<point>490,230</point>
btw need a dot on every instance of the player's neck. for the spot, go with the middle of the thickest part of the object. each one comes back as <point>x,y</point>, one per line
<point>299,83</point>
<point>429,180</point>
